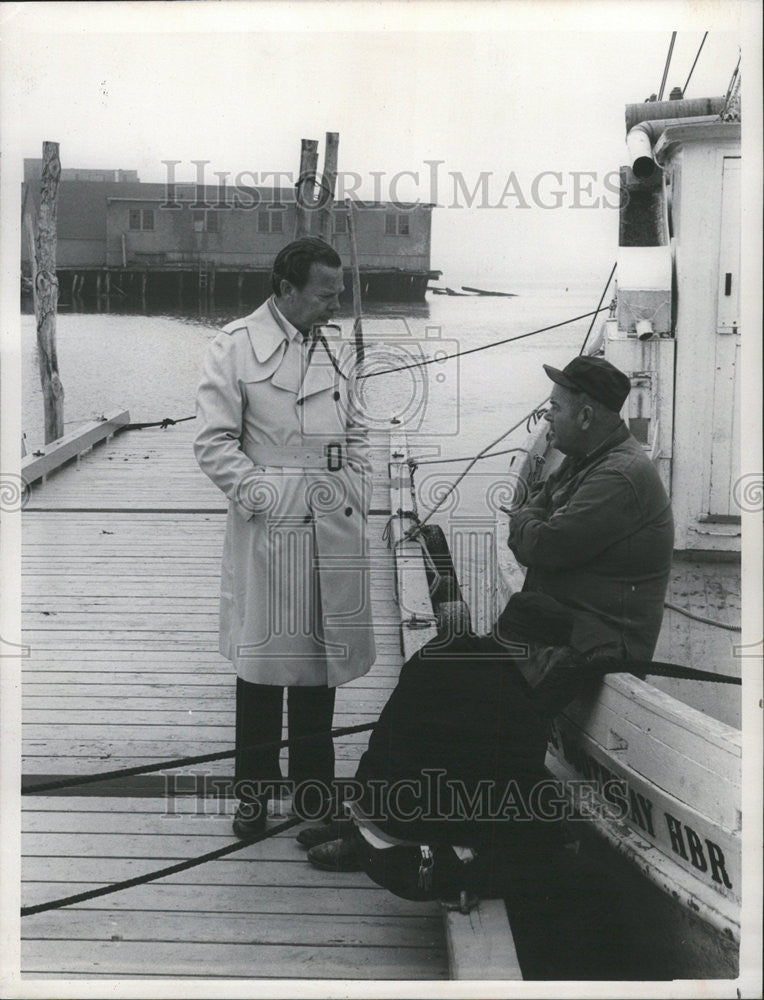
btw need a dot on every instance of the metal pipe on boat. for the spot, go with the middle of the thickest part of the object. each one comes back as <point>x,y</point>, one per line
<point>643,136</point>
<point>658,110</point>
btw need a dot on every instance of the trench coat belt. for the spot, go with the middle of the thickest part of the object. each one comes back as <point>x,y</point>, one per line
<point>328,456</point>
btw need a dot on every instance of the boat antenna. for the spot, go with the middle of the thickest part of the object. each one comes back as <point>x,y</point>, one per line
<point>666,68</point>
<point>684,88</point>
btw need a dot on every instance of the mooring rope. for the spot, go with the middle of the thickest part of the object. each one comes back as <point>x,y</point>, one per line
<point>164,424</point>
<point>205,758</point>
<point>605,666</point>
<point>182,866</point>
<point>701,618</point>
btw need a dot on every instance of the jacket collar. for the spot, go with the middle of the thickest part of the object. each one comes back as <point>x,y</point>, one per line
<point>572,466</point>
<point>616,437</point>
<point>268,331</point>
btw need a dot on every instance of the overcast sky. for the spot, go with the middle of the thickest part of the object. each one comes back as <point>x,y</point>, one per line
<point>505,90</point>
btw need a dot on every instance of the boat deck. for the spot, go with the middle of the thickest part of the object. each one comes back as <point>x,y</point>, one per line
<point>121,560</point>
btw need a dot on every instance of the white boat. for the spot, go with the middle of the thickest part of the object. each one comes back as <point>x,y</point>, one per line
<point>676,745</point>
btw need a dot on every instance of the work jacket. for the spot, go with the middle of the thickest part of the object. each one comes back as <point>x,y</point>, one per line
<point>598,536</point>
<point>277,435</point>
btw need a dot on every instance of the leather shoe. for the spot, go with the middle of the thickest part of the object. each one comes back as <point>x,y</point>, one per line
<point>312,836</point>
<point>250,820</point>
<point>335,856</point>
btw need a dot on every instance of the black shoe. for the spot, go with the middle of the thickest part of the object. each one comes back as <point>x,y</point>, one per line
<point>322,833</point>
<point>250,819</point>
<point>335,856</point>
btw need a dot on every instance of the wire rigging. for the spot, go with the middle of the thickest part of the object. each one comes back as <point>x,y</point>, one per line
<point>599,307</point>
<point>413,532</point>
<point>689,75</point>
<point>482,347</point>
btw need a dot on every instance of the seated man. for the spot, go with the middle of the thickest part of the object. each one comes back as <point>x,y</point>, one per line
<point>597,538</point>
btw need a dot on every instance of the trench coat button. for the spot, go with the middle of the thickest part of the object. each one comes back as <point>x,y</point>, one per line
<point>348,511</point>
<point>336,396</point>
<point>308,518</point>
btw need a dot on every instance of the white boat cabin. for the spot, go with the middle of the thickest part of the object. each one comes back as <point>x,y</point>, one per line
<point>676,331</point>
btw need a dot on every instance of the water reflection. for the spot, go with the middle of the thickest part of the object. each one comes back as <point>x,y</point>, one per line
<point>215,312</point>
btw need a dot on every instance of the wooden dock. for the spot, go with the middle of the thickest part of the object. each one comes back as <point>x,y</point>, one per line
<point>121,561</point>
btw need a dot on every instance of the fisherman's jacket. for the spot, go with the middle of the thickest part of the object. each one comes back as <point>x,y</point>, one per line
<point>598,537</point>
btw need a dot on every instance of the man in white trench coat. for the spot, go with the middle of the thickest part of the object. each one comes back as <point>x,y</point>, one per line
<point>278,437</point>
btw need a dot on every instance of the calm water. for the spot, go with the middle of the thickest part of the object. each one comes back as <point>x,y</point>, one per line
<point>151,364</point>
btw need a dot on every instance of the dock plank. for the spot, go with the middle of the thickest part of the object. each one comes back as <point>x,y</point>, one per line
<point>125,959</point>
<point>121,573</point>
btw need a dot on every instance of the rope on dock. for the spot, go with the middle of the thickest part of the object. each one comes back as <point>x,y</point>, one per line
<point>701,618</point>
<point>105,890</point>
<point>205,758</point>
<point>656,668</point>
<point>164,424</point>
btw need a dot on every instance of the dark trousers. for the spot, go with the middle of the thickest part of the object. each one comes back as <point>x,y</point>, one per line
<point>259,719</point>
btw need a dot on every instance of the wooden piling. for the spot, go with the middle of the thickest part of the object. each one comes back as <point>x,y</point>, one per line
<point>331,152</point>
<point>306,187</point>
<point>28,213</point>
<point>46,293</point>
<point>357,313</point>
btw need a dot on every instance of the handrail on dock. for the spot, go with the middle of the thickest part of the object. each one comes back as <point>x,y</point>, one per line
<point>62,450</point>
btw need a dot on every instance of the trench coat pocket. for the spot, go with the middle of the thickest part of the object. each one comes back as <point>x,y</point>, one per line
<point>252,493</point>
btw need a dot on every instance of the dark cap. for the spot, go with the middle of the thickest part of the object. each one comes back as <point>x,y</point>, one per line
<point>596,377</point>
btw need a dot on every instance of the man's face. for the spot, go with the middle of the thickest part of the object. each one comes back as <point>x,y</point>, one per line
<point>564,418</point>
<point>317,302</point>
